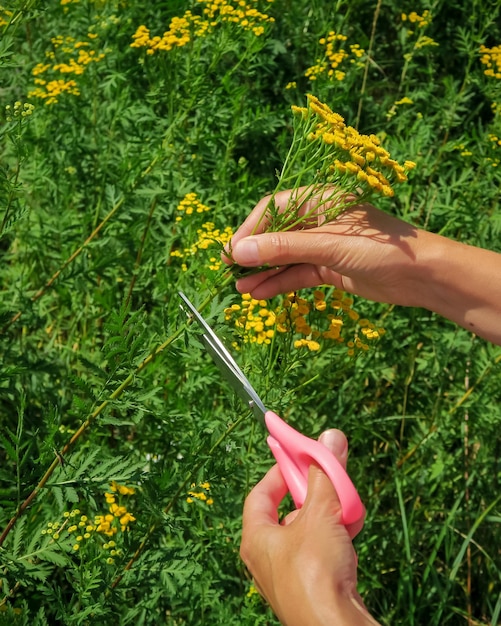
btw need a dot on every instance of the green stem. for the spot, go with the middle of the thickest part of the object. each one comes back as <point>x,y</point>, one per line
<point>294,152</point>
<point>140,251</point>
<point>68,261</point>
<point>173,500</point>
<point>158,158</point>
<point>98,410</point>
<point>366,68</point>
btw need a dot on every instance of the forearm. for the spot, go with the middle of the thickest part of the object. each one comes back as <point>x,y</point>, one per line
<point>460,282</point>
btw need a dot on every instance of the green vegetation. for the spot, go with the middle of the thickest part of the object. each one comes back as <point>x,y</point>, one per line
<point>134,138</point>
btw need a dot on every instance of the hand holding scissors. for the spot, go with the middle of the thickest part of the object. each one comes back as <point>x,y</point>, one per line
<point>293,451</point>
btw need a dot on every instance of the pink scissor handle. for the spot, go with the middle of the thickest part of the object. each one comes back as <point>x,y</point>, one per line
<point>295,453</point>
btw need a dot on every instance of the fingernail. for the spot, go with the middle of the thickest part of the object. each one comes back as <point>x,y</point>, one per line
<point>246,251</point>
<point>335,441</point>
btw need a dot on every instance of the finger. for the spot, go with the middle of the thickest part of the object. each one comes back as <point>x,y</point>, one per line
<point>261,505</point>
<point>261,512</point>
<point>335,441</point>
<point>315,246</point>
<point>286,279</point>
<point>290,517</point>
<point>321,493</point>
<point>257,221</point>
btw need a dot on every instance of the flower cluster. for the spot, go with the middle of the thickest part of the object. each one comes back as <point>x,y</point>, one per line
<point>398,103</point>
<point>253,317</point>
<point>67,57</point>
<point>181,30</point>
<point>495,145</point>
<point>420,22</point>
<point>200,493</point>
<point>334,55</point>
<point>191,26</point>
<point>330,166</point>
<point>344,153</point>
<point>463,150</point>
<point>424,41</point>
<point>491,58</point>
<point>322,320</point>
<point>190,204</point>
<point>208,235</point>
<point>118,517</point>
<point>52,89</point>
<point>20,110</point>
<point>495,140</point>
<point>5,16</point>
<point>492,154</point>
<point>77,529</point>
<point>243,14</point>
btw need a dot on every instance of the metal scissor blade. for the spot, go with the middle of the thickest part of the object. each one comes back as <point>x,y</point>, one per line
<point>242,387</point>
<point>226,364</point>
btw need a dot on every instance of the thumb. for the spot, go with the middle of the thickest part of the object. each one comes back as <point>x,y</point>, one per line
<point>321,492</point>
<point>335,440</point>
<point>284,248</point>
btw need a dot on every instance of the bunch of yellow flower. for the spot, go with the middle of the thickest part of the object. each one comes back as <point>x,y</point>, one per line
<point>181,30</point>
<point>495,140</point>
<point>491,58</point>
<point>253,317</point>
<point>334,55</point>
<point>319,321</point>
<point>208,236</point>
<point>202,495</point>
<point>491,156</point>
<point>191,26</point>
<point>190,204</point>
<point>424,41</point>
<point>241,13</point>
<point>118,517</point>
<point>77,529</point>
<point>421,21</point>
<point>20,110</point>
<point>67,56</point>
<point>495,145</point>
<point>52,89</point>
<point>5,16</point>
<point>330,167</point>
<point>352,153</point>
<point>398,103</point>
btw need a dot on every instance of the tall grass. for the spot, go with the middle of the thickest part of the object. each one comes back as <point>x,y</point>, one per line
<point>116,185</point>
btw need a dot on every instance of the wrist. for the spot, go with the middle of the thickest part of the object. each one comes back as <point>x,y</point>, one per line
<point>425,272</point>
<point>349,610</point>
<point>459,282</point>
<point>342,607</point>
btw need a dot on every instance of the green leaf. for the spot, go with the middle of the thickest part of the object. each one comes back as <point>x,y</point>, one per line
<point>50,555</point>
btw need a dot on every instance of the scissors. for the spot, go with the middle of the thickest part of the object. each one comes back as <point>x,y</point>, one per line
<point>293,451</point>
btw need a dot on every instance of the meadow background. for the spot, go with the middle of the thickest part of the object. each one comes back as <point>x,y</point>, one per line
<point>135,136</point>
